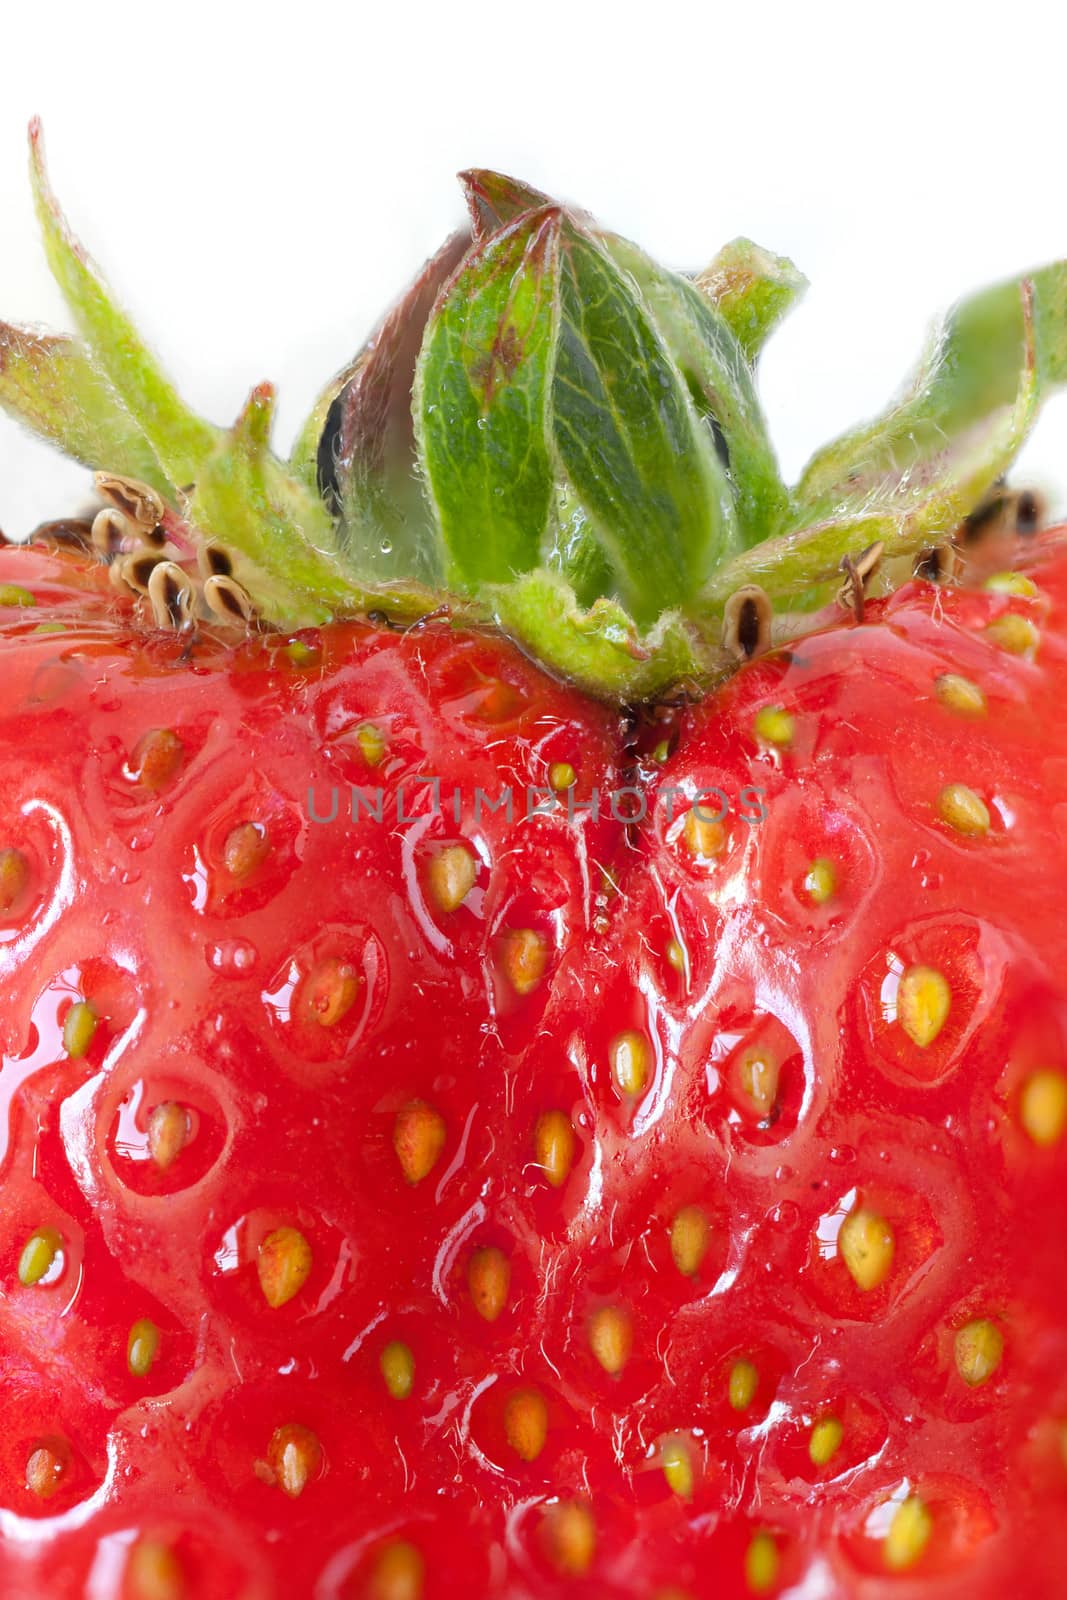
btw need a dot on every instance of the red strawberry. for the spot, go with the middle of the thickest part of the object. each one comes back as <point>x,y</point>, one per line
<point>527,1181</point>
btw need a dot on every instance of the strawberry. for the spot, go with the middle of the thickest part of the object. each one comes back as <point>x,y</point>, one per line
<point>522,1077</point>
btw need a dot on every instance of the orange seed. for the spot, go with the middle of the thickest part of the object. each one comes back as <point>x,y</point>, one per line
<point>418,1139</point>
<point>488,1279</point>
<point>283,1263</point>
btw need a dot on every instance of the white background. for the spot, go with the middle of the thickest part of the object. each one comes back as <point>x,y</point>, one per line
<point>259,180</point>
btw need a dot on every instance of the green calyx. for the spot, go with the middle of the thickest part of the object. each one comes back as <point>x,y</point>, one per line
<point>552,433</point>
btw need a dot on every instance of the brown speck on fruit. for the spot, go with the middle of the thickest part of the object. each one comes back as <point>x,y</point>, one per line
<point>79,1028</point>
<point>922,1004</point>
<point>555,1146</point>
<point>451,874</point>
<point>142,1347</point>
<point>46,1466</point>
<point>418,1139</point>
<point>676,1460</point>
<point>154,1572</point>
<point>690,1239</point>
<point>283,1263</point>
<point>964,810</point>
<point>762,1562</point>
<point>525,959</point>
<point>570,1537</point>
<point>488,1280</point>
<point>611,1338</point>
<point>398,1573</point>
<point>1043,1106</point>
<point>245,850</point>
<point>398,1369</point>
<point>978,1350</point>
<point>959,694</point>
<point>14,876</point>
<point>329,991</point>
<point>526,1423</point>
<point>742,1385</point>
<point>157,759</point>
<point>294,1457</point>
<point>39,1255</point>
<point>909,1534</point>
<point>746,622</point>
<point>630,1057</point>
<point>1015,634</point>
<point>167,1133</point>
<point>866,1246</point>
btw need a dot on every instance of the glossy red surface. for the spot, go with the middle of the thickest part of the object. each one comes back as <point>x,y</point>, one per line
<point>278,996</point>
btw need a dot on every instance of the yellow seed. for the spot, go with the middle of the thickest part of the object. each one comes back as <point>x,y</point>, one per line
<point>300,653</point>
<point>690,1239</point>
<point>909,1534</point>
<point>418,1139</point>
<point>398,1369</point>
<point>744,1381</point>
<point>45,1469</point>
<point>561,775</point>
<point>630,1063</point>
<point>570,1533</point>
<point>372,743</point>
<point>820,881</point>
<point>676,1459</point>
<point>1017,635</point>
<point>168,1132</point>
<point>38,1255</point>
<point>705,836</point>
<point>1011,583</point>
<point>959,694</point>
<point>662,751</point>
<point>283,1263</point>
<point>154,1572</point>
<point>452,872</point>
<point>295,1456</point>
<point>676,956</point>
<point>246,848</point>
<point>398,1573</point>
<point>773,725</point>
<point>13,594</point>
<point>759,1081</point>
<point>978,1349</point>
<point>14,876</point>
<point>761,1563</point>
<point>555,1146</point>
<point>329,991</point>
<point>526,1423</point>
<point>489,1279</point>
<point>923,1001</point>
<point>611,1338</point>
<point>525,959</point>
<point>1043,1106</point>
<point>963,809</point>
<point>866,1246</point>
<point>825,1441</point>
<point>142,1347</point>
<point>79,1026</point>
<point>157,759</point>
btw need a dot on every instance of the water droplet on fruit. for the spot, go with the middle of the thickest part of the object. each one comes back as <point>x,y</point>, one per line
<point>232,958</point>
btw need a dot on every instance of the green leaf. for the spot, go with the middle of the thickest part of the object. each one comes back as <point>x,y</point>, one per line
<point>494,200</point>
<point>179,439</point>
<point>629,439</point>
<point>601,648</point>
<point>909,510</point>
<point>365,456</point>
<point>277,527</point>
<point>52,386</point>
<point>752,290</point>
<point>480,399</point>
<point>973,371</point>
<point>720,379</point>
